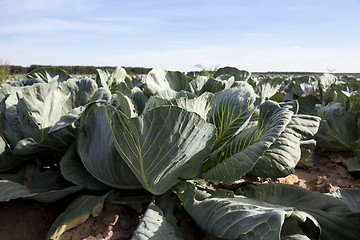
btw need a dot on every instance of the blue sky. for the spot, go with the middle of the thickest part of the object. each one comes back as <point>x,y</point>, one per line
<point>255,35</point>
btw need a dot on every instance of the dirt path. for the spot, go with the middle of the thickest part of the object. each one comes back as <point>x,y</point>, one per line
<point>327,175</point>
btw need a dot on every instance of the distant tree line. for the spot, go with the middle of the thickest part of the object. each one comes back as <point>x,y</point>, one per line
<point>85,70</point>
<point>75,70</point>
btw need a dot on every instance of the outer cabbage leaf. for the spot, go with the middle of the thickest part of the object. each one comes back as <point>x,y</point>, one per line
<point>31,183</point>
<point>352,164</point>
<point>96,148</point>
<point>116,80</point>
<point>239,75</point>
<point>140,99</point>
<point>170,94</point>
<point>74,170</point>
<point>25,82</point>
<point>232,216</point>
<point>338,129</point>
<point>48,74</point>
<point>126,105</point>
<point>240,155</point>
<point>351,197</point>
<point>7,159</point>
<point>305,85</point>
<point>76,213</point>
<point>163,145</point>
<point>38,116</point>
<point>30,110</point>
<point>307,105</point>
<point>82,92</point>
<point>203,84</point>
<point>154,226</point>
<point>34,109</point>
<point>348,85</point>
<point>280,159</point>
<point>336,219</point>
<point>355,148</point>
<point>265,88</point>
<point>326,80</point>
<point>354,102</point>
<point>158,80</point>
<point>200,105</point>
<point>68,119</point>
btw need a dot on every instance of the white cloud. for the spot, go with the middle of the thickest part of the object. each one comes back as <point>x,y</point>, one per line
<point>19,7</point>
<point>58,26</point>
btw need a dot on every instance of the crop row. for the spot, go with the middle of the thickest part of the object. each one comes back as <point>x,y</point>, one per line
<point>174,135</point>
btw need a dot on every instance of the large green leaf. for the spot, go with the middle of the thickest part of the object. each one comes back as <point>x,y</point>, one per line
<point>239,75</point>
<point>240,155</point>
<point>355,148</point>
<point>115,80</point>
<point>24,108</point>
<point>326,80</point>
<point>170,94</point>
<point>231,110</point>
<point>96,148</point>
<point>304,85</point>
<point>7,159</point>
<point>307,105</point>
<point>354,102</point>
<point>348,85</point>
<point>32,110</point>
<point>68,119</point>
<point>280,159</point>
<point>230,216</point>
<point>5,91</point>
<point>154,226</point>
<point>82,92</point>
<point>352,164</point>
<point>126,105</point>
<point>267,87</point>
<point>163,145</point>
<point>158,80</point>
<point>349,196</point>
<point>48,74</point>
<point>32,183</point>
<point>74,170</point>
<point>338,129</point>
<point>336,219</point>
<point>200,105</point>
<point>76,213</point>
<point>39,118</point>
<point>140,99</point>
<point>203,84</point>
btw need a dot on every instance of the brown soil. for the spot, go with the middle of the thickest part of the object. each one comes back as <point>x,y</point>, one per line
<point>30,220</point>
<point>115,222</point>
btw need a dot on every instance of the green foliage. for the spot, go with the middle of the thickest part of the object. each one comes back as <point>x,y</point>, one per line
<point>75,70</point>
<point>206,71</point>
<point>4,71</point>
<point>167,132</point>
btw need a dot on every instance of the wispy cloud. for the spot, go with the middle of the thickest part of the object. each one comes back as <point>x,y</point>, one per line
<point>126,19</point>
<point>49,25</point>
<point>25,7</point>
<point>259,35</point>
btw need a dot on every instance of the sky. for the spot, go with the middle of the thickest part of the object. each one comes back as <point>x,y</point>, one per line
<point>254,35</point>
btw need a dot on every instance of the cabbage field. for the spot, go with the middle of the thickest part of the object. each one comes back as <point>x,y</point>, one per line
<point>166,145</point>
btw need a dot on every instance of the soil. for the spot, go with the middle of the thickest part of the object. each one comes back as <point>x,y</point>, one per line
<point>30,220</point>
